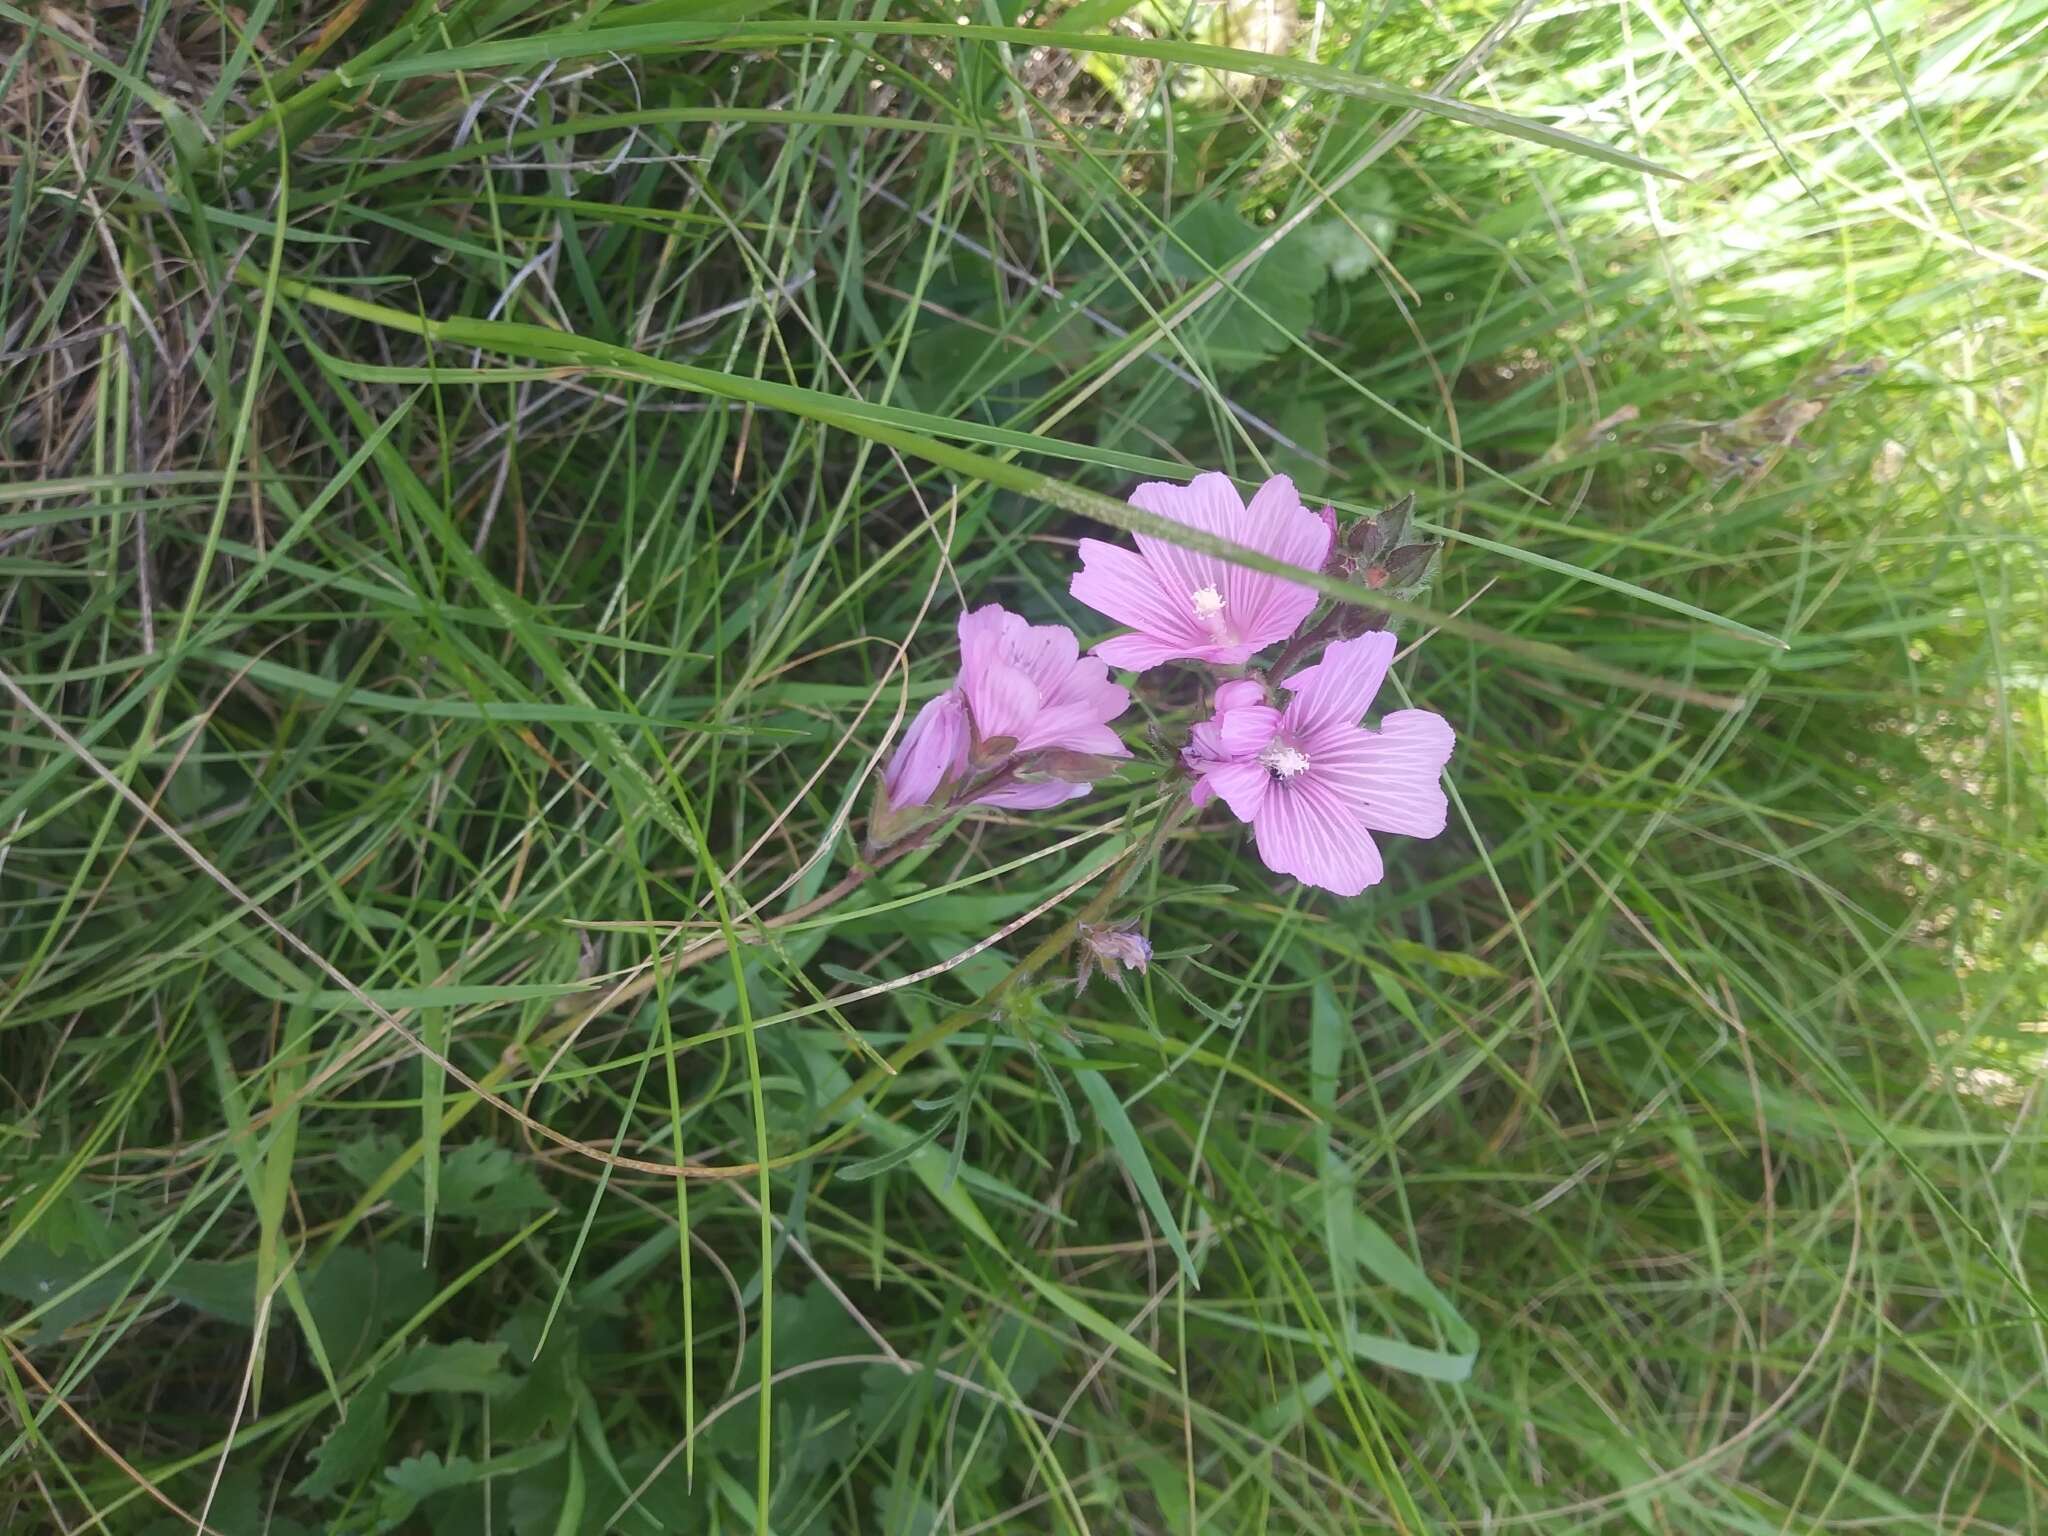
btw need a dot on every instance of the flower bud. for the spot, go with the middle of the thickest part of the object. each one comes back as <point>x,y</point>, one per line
<point>1403,567</point>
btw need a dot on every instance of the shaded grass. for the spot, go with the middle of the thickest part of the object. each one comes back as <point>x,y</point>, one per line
<point>1683,1094</point>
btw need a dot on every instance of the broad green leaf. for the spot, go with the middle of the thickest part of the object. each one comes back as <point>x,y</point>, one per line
<point>468,1365</point>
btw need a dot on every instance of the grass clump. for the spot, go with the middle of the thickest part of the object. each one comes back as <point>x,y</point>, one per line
<point>482,481</point>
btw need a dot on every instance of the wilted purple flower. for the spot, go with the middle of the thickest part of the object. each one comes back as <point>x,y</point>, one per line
<point>1111,948</point>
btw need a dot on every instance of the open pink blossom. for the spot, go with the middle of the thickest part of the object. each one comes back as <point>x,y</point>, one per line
<point>1190,606</point>
<point>1026,700</point>
<point>1313,783</point>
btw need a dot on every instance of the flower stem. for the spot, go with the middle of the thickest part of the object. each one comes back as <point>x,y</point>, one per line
<point>1301,644</point>
<point>1048,950</point>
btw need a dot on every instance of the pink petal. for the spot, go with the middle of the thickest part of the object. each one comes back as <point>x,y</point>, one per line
<point>1245,732</point>
<point>1304,830</point>
<point>1075,730</point>
<point>1004,701</point>
<point>1209,503</point>
<point>1135,653</point>
<point>934,746</point>
<point>1201,793</point>
<point>1079,692</point>
<point>1392,777</point>
<point>981,641</point>
<point>1155,590</point>
<point>1029,683</point>
<point>1339,689</point>
<point>1045,653</point>
<point>1122,586</point>
<point>1245,787</point>
<point>1080,723</point>
<point>1240,692</point>
<point>1032,797</point>
<point>1266,608</point>
<point>1205,742</point>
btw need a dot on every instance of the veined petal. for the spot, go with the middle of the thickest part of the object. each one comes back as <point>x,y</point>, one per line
<point>1125,587</point>
<point>1192,605</point>
<point>1269,608</point>
<point>1135,653</point>
<point>1030,684</point>
<point>1245,731</point>
<point>1245,787</point>
<point>1340,688</point>
<point>1084,684</point>
<point>1209,504</point>
<point>1005,702</point>
<point>1391,777</point>
<point>1045,653</point>
<point>1076,728</point>
<point>1032,797</point>
<point>981,643</point>
<point>934,746</point>
<point>1304,830</point>
<point>1239,692</point>
<point>1205,743</point>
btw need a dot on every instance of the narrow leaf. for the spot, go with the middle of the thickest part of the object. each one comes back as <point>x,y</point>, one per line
<point>1130,1150</point>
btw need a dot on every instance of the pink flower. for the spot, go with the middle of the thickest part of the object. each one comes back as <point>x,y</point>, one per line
<point>1313,783</point>
<point>1026,701</point>
<point>933,750</point>
<point>1191,606</point>
<point>1237,729</point>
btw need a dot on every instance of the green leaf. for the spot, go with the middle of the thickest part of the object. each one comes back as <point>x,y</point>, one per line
<point>355,1292</point>
<point>1450,961</point>
<point>482,1183</point>
<point>651,29</point>
<point>1202,240</point>
<point>468,1365</point>
<point>354,1448</point>
<point>1349,240</point>
<point>900,1508</point>
<point>894,1157</point>
<point>420,1476</point>
<point>1130,1151</point>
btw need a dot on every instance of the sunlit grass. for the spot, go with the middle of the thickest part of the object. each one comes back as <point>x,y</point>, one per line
<point>494,526</point>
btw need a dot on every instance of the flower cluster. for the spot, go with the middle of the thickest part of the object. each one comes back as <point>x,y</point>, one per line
<point>1026,725</point>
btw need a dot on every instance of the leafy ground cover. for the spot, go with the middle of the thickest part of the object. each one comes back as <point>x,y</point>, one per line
<point>483,481</point>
